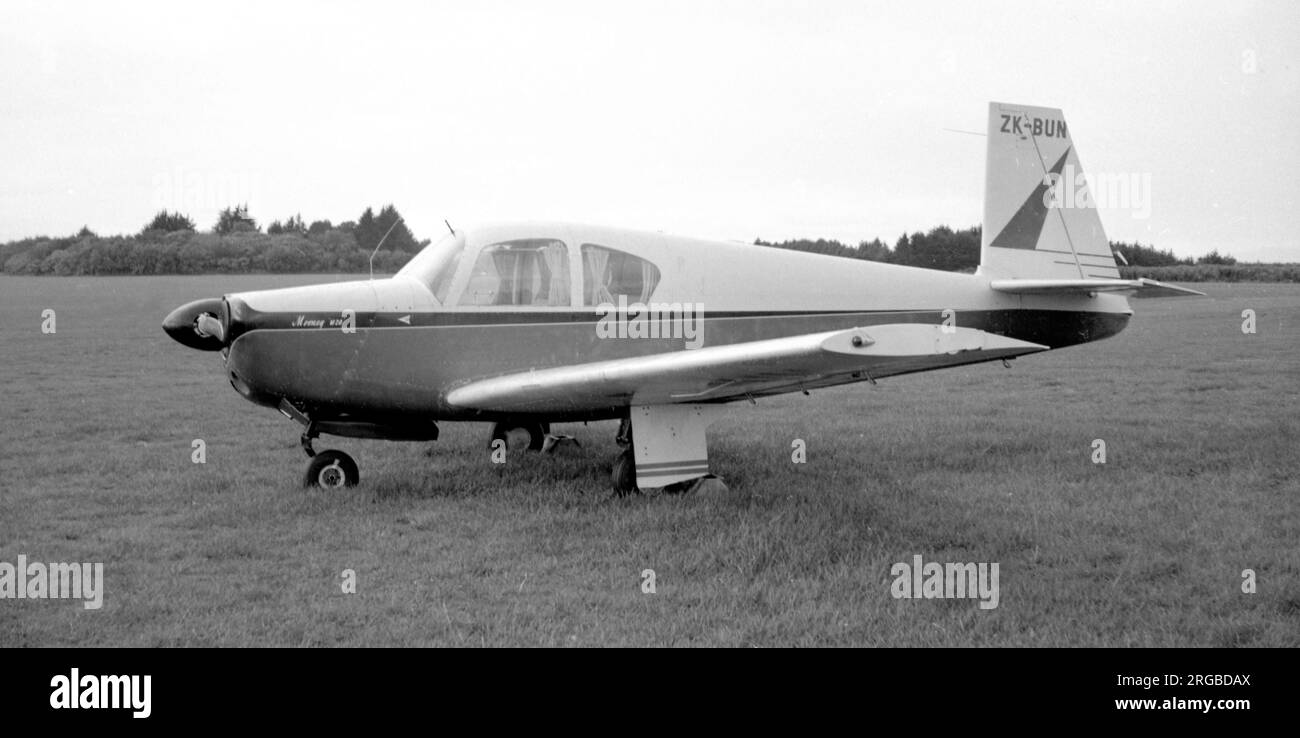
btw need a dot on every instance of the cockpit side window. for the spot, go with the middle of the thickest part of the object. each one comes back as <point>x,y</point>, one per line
<point>608,273</point>
<point>522,273</point>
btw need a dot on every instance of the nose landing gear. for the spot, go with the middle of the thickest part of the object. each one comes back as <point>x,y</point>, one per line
<point>330,469</point>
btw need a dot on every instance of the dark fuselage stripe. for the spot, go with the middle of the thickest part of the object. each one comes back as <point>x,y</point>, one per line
<point>255,320</point>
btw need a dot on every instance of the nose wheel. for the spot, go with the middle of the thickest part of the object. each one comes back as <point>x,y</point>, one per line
<point>331,470</point>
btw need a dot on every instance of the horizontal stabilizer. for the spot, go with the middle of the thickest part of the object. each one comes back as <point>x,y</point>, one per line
<point>1134,287</point>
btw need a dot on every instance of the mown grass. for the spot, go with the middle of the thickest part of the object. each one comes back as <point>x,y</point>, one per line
<point>977,464</point>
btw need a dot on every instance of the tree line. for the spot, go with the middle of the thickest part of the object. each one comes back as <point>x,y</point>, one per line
<point>944,248</point>
<point>959,251</point>
<point>171,244</point>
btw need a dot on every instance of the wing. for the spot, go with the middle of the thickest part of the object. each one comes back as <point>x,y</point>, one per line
<point>735,371</point>
<point>1137,287</point>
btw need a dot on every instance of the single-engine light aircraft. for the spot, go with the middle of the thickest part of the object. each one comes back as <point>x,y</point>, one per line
<point>531,324</point>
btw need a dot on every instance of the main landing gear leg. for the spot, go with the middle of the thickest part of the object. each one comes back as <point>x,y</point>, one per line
<point>623,475</point>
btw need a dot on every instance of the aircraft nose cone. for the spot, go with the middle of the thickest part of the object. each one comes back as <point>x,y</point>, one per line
<point>200,324</point>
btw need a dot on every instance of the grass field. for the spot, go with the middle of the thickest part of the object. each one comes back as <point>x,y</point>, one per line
<point>979,464</point>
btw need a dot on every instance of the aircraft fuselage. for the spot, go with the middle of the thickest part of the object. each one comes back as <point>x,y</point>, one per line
<point>386,348</point>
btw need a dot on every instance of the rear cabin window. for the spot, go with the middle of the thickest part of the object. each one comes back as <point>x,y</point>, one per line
<point>524,273</point>
<point>608,273</point>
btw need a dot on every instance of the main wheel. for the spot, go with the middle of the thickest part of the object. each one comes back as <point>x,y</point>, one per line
<point>331,470</point>
<point>520,435</point>
<point>623,474</point>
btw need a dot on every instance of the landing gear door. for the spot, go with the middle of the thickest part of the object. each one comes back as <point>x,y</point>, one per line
<point>669,442</point>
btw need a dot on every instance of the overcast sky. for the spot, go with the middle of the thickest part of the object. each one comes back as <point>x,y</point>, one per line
<point>729,120</point>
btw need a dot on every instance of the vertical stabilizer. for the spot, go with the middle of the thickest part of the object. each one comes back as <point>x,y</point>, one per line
<point>1039,218</point>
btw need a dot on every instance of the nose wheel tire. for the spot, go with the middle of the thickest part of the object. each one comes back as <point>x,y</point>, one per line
<point>331,470</point>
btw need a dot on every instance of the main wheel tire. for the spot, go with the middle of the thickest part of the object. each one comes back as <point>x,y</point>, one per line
<point>536,434</point>
<point>331,470</point>
<point>623,475</point>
